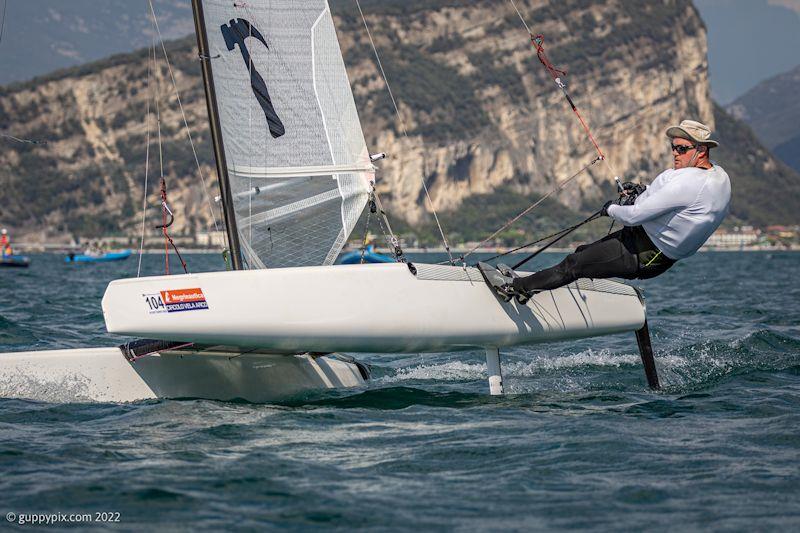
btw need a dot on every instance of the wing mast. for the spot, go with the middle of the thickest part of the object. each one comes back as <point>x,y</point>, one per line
<point>216,136</point>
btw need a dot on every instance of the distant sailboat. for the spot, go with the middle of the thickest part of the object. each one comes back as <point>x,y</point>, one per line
<point>295,175</point>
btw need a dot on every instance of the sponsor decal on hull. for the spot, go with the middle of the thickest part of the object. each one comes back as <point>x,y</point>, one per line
<point>175,301</point>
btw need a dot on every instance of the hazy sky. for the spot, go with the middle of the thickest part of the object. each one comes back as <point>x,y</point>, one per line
<point>748,41</point>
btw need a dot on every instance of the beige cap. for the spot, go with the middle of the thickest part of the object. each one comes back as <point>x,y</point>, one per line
<point>694,131</point>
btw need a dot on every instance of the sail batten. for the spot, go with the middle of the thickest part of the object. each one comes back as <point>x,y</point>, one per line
<point>288,172</point>
<point>299,169</point>
<point>280,213</point>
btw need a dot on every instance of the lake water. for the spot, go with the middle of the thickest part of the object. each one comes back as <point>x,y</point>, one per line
<point>579,442</point>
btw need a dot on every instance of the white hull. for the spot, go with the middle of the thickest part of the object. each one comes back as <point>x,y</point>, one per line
<point>255,321</point>
<point>365,308</point>
<point>105,375</point>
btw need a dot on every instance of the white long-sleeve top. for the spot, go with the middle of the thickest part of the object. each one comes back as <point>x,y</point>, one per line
<point>680,210</point>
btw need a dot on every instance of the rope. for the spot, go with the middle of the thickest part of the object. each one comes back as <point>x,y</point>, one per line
<point>551,243</point>
<point>530,208</point>
<point>542,239</point>
<point>166,211</point>
<point>653,259</point>
<point>405,132</point>
<point>394,243</point>
<point>520,16</point>
<point>183,115</point>
<point>372,208</point>
<point>537,42</point>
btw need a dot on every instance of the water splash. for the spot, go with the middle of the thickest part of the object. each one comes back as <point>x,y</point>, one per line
<point>700,365</point>
<point>683,367</point>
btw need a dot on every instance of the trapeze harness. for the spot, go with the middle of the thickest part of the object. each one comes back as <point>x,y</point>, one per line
<point>669,221</point>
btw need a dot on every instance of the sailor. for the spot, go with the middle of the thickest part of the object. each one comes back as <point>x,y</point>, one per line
<point>5,244</point>
<point>663,223</point>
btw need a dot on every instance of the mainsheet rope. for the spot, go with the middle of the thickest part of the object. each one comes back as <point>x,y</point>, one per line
<point>558,236</point>
<point>530,208</point>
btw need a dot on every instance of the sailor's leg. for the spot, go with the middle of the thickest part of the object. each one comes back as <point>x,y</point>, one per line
<point>494,371</point>
<point>549,278</point>
<point>605,258</point>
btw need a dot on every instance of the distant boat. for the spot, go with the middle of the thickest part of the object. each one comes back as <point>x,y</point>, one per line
<point>98,258</point>
<point>19,261</point>
<point>370,256</point>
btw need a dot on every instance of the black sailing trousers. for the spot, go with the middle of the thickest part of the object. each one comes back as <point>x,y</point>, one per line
<point>628,253</point>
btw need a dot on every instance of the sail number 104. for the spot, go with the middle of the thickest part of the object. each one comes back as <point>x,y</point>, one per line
<point>175,300</point>
<point>155,303</point>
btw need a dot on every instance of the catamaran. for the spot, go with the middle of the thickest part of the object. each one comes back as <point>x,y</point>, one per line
<point>295,175</point>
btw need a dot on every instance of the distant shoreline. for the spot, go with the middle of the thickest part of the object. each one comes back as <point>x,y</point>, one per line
<point>454,251</point>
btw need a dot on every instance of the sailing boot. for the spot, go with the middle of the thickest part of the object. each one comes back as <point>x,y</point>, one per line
<point>502,285</point>
<point>522,296</point>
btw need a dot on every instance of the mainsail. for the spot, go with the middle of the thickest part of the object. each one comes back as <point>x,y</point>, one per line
<point>299,170</point>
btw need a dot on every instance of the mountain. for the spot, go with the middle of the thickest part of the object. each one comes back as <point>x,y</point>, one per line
<point>761,183</point>
<point>487,129</point>
<point>789,152</point>
<point>748,41</point>
<point>772,109</point>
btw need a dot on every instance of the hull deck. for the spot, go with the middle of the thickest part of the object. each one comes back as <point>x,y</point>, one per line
<point>372,308</point>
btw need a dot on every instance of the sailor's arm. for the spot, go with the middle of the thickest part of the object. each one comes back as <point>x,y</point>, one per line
<point>650,206</point>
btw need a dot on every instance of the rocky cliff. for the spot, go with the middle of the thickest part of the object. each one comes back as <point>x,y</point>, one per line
<point>482,117</point>
<point>483,112</point>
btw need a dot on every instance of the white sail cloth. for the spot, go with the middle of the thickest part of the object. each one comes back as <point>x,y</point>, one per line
<point>299,169</point>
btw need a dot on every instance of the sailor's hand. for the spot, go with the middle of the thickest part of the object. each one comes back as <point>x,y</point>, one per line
<point>631,188</point>
<point>604,210</point>
<point>630,192</point>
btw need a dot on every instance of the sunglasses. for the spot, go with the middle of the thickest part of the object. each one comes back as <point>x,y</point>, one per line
<point>681,149</point>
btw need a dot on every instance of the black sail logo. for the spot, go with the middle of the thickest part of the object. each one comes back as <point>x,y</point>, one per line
<point>235,32</point>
